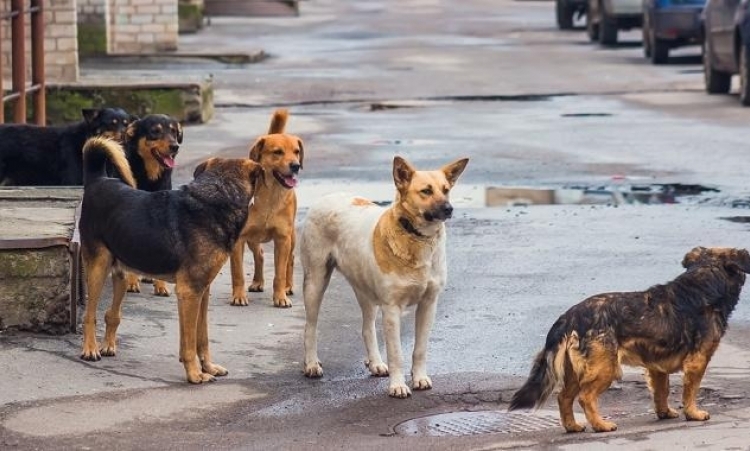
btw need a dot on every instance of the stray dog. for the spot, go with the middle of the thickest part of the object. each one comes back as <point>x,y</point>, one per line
<point>665,329</point>
<point>272,214</point>
<point>184,236</point>
<point>151,145</point>
<point>393,258</point>
<point>51,156</point>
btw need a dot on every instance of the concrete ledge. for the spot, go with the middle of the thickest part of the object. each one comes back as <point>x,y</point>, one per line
<point>40,271</point>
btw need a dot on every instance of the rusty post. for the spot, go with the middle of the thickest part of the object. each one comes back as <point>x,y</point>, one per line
<point>37,61</point>
<point>18,41</point>
<point>2,93</point>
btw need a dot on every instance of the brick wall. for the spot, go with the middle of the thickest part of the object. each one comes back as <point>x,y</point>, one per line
<point>60,42</point>
<point>141,26</point>
<point>91,11</point>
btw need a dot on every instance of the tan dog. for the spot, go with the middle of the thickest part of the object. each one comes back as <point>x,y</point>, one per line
<point>272,213</point>
<point>393,258</point>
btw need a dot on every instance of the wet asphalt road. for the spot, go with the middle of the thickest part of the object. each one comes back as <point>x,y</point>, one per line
<point>433,82</point>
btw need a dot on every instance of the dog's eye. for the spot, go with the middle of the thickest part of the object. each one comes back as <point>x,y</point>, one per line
<point>278,152</point>
<point>445,190</point>
<point>427,191</point>
<point>296,151</point>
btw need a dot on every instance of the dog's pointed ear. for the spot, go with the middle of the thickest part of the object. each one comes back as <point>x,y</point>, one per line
<point>741,259</point>
<point>693,257</point>
<point>454,170</point>
<point>402,173</point>
<point>201,168</point>
<point>256,149</point>
<point>301,153</point>
<point>130,131</point>
<point>90,114</point>
<point>179,133</point>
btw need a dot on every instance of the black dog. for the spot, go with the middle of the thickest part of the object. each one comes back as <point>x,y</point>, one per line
<point>151,145</point>
<point>51,156</point>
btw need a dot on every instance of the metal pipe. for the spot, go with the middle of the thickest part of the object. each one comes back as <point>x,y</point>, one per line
<point>18,41</point>
<point>37,61</point>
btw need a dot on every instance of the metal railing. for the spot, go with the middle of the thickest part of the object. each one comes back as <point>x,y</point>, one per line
<point>19,89</point>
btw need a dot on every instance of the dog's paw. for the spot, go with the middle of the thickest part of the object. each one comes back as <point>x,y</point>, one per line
<point>160,288</point>
<point>240,301</point>
<point>421,383</point>
<point>697,415</point>
<point>399,390</point>
<point>670,413</point>
<point>91,355</point>
<point>282,302</point>
<point>108,350</point>
<point>604,426</point>
<point>314,370</point>
<point>574,427</point>
<point>289,292</point>
<point>255,287</point>
<point>378,369</point>
<point>214,369</point>
<point>147,280</point>
<point>133,287</point>
<point>200,378</point>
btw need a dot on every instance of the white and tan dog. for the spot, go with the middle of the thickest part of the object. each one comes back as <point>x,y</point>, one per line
<point>393,258</point>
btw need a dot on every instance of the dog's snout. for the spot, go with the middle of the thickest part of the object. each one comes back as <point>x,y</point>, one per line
<point>174,147</point>
<point>294,167</point>
<point>448,210</point>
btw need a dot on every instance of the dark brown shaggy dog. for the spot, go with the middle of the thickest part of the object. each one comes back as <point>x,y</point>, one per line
<point>183,236</point>
<point>667,328</point>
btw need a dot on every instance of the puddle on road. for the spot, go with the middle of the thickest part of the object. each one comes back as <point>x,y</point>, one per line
<point>479,196</point>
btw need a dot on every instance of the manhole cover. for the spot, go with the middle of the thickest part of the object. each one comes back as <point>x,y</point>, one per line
<point>474,423</point>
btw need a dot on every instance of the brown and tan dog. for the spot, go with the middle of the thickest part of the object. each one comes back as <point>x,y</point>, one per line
<point>667,328</point>
<point>182,236</point>
<point>272,213</point>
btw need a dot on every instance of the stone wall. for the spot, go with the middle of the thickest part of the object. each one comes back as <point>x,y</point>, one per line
<point>60,42</point>
<point>141,26</point>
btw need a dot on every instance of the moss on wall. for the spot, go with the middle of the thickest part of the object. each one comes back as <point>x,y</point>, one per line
<point>190,17</point>
<point>92,39</point>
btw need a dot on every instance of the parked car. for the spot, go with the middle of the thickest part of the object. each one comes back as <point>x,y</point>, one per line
<point>604,18</point>
<point>566,11</point>
<point>726,43</point>
<point>668,24</point>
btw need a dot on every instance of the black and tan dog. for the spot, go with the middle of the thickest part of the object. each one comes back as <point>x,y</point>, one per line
<point>272,214</point>
<point>151,145</point>
<point>184,236</point>
<point>667,328</point>
<point>51,156</point>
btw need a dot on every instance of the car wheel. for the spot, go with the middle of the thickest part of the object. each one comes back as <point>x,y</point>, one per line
<point>607,28</point>
<point>717,82</point>
<point>659,50</point>
<point>646,36</point>
<point>592,28</point>
<point>564,15</point>
<point>745,75</point>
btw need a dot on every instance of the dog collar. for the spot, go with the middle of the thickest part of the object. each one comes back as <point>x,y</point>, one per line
<point>409,227</point>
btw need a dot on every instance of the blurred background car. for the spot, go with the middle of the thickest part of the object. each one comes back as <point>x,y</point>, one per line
<point>726,43</point>
<point>604,18</point>
<point>668,24</point>
<point>567,10</point>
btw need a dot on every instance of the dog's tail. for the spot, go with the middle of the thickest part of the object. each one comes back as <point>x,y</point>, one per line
<point>278,121</point>
<point>97,152</point>
<point>548,369</point>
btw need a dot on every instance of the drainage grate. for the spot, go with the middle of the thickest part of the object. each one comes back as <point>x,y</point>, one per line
<point>473,423</point>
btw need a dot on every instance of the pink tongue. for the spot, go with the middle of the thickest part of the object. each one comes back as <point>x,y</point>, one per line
<point>169,161</point>
<point>290,181</point>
